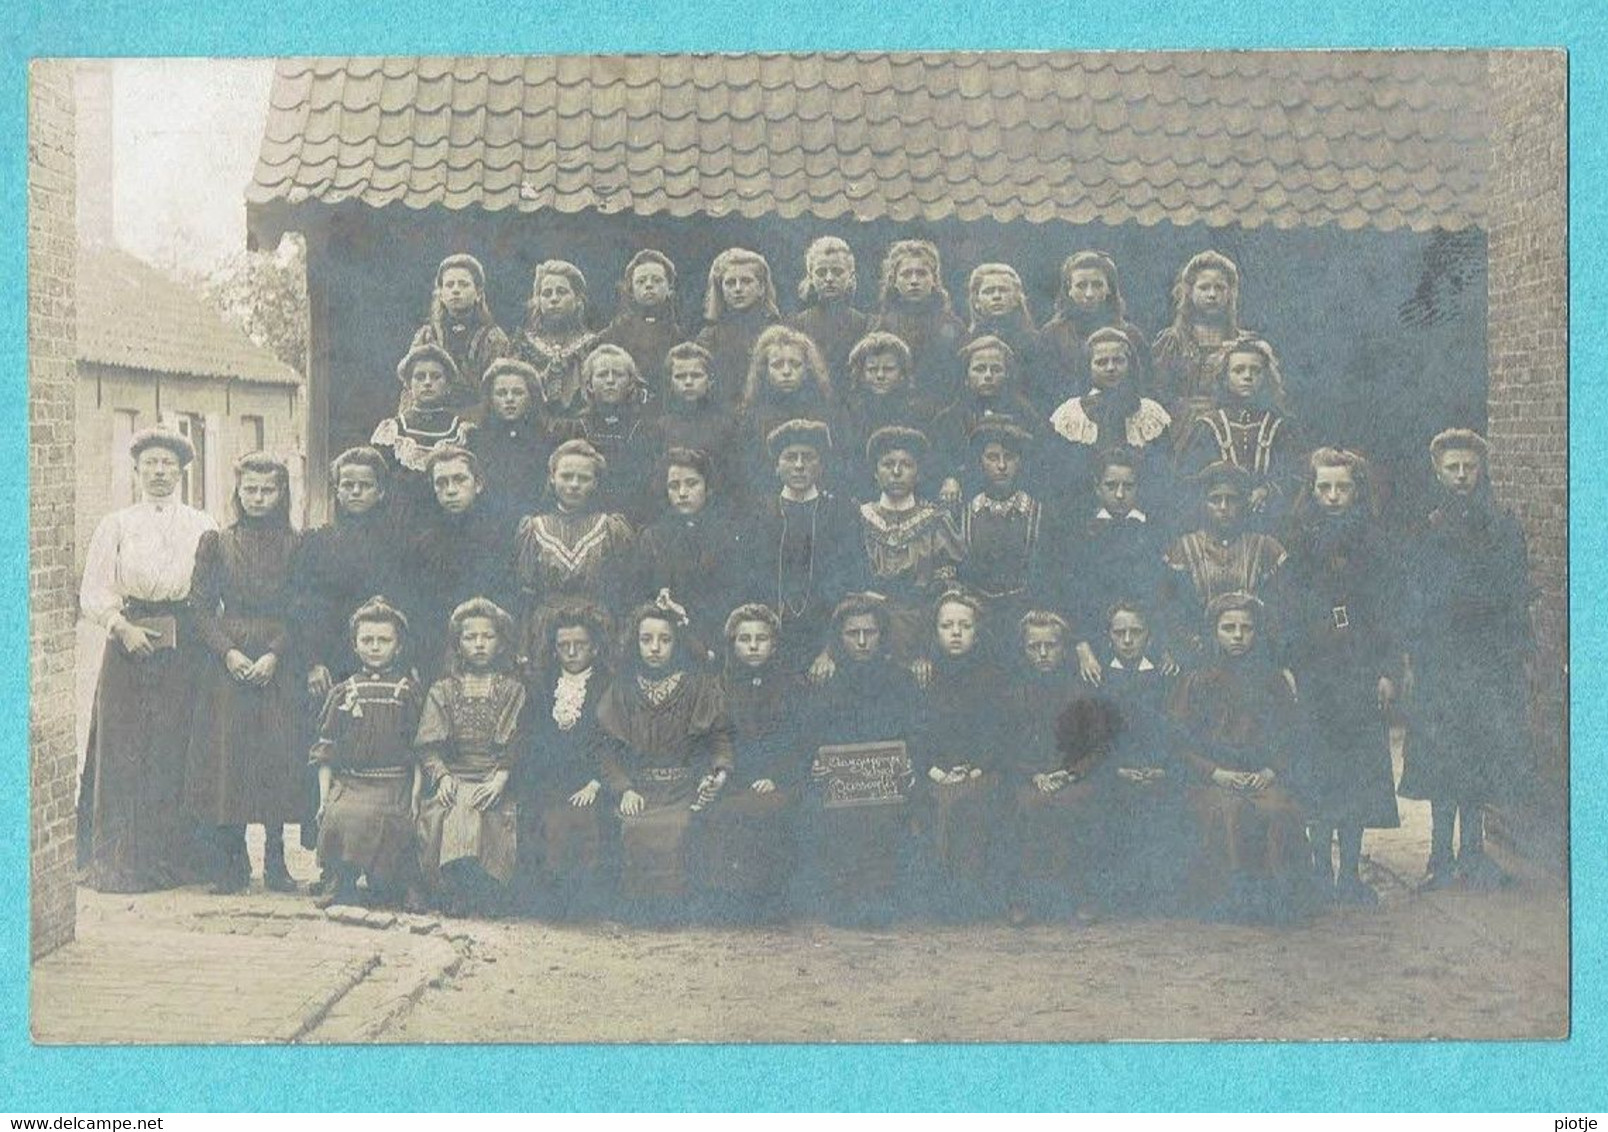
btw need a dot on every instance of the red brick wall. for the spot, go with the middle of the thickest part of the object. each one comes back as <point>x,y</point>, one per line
<point>52,387</point>
<point>1528,349</point>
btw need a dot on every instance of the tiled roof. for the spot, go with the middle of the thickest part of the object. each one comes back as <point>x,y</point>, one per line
<point>1290,139</point>
<point>130,314</point>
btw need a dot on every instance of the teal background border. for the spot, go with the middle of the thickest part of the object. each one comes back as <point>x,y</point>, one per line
<point>1543,1077</point>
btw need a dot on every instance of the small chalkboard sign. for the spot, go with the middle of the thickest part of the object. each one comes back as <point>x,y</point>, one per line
<point>863,774</point>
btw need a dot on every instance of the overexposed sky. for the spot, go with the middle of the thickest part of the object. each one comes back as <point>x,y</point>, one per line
<point>185,138</point>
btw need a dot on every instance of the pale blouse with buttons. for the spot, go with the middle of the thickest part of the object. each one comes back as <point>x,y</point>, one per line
<point>145,553</point>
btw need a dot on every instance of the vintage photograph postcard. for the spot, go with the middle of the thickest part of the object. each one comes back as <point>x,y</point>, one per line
<point>859,547</point>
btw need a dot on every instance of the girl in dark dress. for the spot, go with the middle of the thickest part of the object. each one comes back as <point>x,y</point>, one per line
<point>647,322</point>
<point>1339,639</point>
<point>666,752</point>
<point>1205,300</point>
<point>555,339</point>
<point>457,551</point>
<point>245,762</point>
<point>369,781</point>
<point>1055,816</point>
<point>470,742</point>
<point>613,423</point>
<point>1110,412</point>
<point>857,852</point>
<point>739,303</point>
<point>997,305</point>
<point>690,557</point>
<point>963,750</point>
<point>429,375</point>
<point>572,555</point>
<point>804,552</point>
<point>1090,298</point>
<point>1221,557</point>
<point>915,308</point>
<point>990,392</point>
<point>787,380</point>
<point>693,415</point>
<point>1003,529</point>
<point>560,782</point>
<point>512,441</point>
<point>1249,429</point>
<point>1467,625</point>
<point>827,293</point>
<point>1235,728</point>
<point>133,830</point>
<point>460,322</point>
<point>881,390</point>
<point>1148,831</point>
<point>746,847</point>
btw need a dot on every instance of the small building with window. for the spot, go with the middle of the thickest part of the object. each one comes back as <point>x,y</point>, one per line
<point>150,351</point>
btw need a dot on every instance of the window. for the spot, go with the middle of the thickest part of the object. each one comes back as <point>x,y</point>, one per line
<point>193,427</point>
<point>251,435</point>
<point>125,423</point>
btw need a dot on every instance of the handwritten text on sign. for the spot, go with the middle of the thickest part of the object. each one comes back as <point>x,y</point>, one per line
<point>863,774</point>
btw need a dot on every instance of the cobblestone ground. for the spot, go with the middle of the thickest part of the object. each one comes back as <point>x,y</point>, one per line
<point>264,967</point>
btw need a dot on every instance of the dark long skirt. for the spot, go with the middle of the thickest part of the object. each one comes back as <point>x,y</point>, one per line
<point>133,832</point>
<point>653,844</point>
<point>368,826</point>
<point>1346,777</point>
<point>1251,858</point>
<point>1057,838</point>
<point>858,860</point>
<point>459,832</point>
<point>1148,834</point>
<point>1466,735</point>
<point>961,821</point>
<point>563,852</point>
<point>745,848</point>
<point>244,764</point>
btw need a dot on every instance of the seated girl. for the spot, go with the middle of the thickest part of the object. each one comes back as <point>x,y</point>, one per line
<point>828,316</point>
<point>1055,814</point>
<point>857,836</point>
<point>647,321</point>
<point>555,339</point>
<point>963,751</point>
<point>1090,298</point>
<point>881,389</point>
<point>460,322</point>
<point>990,392</point>
<point>1234,727</point>
<point>739,303</point>
<point>369,780</point>
<point>512,441</point>
<point>572,554</point>
<point>561,831</point>
<point>469,741</point>
<point>665,746</point>
<point>428,374</point>
<point>997,304</point>
<point>745,857</point>
<point>915,308</point>
<point>1249,429</point>
<point>689,557</point>
<point>787,381</point>
<point>1110,412</point>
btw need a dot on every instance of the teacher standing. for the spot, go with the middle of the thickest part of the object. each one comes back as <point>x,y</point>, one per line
<point>132,835</point>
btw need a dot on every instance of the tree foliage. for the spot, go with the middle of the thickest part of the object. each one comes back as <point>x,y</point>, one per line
<point>265,294</point>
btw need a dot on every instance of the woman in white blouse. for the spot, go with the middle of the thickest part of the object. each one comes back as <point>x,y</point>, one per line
<point>132,834</point>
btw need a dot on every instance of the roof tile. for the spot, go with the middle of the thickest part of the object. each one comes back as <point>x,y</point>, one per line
<point>1280,138</point>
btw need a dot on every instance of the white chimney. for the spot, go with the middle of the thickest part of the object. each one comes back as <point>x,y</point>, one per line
<point>92,82</point>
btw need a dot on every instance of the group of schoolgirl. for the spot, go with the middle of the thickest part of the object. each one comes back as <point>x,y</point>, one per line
<point>646,578</point>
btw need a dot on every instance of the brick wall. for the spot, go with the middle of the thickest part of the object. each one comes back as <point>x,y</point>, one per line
<point>1528,350</point>
<point>52,578</point>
